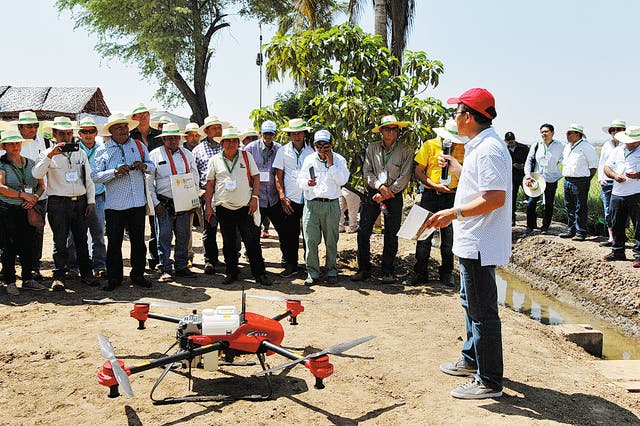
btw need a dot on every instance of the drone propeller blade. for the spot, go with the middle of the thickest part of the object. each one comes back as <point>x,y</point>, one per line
<point>278,298</point>
<point>159,303</point>
<point>107,351</point>
<point>334,350</point>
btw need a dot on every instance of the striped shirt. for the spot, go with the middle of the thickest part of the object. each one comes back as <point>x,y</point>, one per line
<point>203,153</point>
<point>122,192</point>
<point>12,181</point>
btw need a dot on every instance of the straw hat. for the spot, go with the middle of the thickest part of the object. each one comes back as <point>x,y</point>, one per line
<point>7,125</point>
<point>171,129</point>
<point>60,123</point>
<point>162,120</point>
<point>140,108</point>
<point>193,127</point>
<point>297,125</point>
<point>118,119</point>
<point>390,120</point>
<point>26,117</point>
<point>90,122</point>
<point>11,136</point>
<point>575,127</point>
<point>620,124</point>
<point>211,120</point>
<point>631,135</point>
<point>450,131</point>
<point>247,133</point>
<point>229,133</point>
<point>538,187</point>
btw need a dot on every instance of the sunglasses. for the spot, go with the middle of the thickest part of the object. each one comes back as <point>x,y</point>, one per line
<point>322,145</point>
<point>87,131</point>
<point>616,129</point>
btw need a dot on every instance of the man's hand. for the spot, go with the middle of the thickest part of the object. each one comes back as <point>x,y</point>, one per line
<point>253,205</point>
<point>454,166</point>
<point>208,212</point>
<point>329,154</point>
<point>620,178</point>
<point>440,187</point>
<point>529,182</point>
<point>123,170</point>
<point>311,182</point>
<point>57,149</point>
<point>632,174</point>
<point>386,192</point>
<point>286,206</point>
<point>378,198</point>
<point>442,218</point>
<point>160,210</point>
<point>30,200</point>
<point>139,165</point>
<point>89,210</point>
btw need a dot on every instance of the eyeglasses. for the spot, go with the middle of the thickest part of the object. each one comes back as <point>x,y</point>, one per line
<point>542,132</point>
<point>322,145</point>
<point>87,131</point>
<point>389,129</point>
<point>616,129</point>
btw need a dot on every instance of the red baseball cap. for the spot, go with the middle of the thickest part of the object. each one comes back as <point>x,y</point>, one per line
<point>480,100</point>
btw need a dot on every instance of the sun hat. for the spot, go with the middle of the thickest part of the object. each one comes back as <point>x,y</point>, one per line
<point>297,125</point>
<point>140,108</point>
<point>268,127</point>
<point>118,119</point>
<point>162,120</point>
<point>247,133</point>
<point>10,136</point>
<point>450,131</point>
<point>478,99</point>
<point>26,117</point>
<point>620,124</point>
<point>575,127</point>
<point>538,187</point>
<point>229,133</point>
<point>390,120</point>
<point>322,136</point>
<point>193,127</point>
<point>631,135</point>
<point>7,125</point>
<point>211,120</point>
<point>60,123</point>
<point>171,129</point>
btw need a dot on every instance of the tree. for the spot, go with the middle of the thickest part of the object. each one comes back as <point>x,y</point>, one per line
<point>168,39</point>
<point>350,86</point>
<point>309,15</point>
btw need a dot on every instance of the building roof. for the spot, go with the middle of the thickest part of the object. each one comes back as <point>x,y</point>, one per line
<point>49,102</point>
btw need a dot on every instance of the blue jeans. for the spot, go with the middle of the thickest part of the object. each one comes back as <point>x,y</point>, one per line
<point>479,298</point>
<point>167,225</point>
<point>605,194</point>
<point>576,193</point>
<point>98,249</point>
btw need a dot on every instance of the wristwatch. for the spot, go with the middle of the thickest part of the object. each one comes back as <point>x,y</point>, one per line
<point>459,215</point>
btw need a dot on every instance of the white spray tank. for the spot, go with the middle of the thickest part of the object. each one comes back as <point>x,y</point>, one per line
<point>221,321</point>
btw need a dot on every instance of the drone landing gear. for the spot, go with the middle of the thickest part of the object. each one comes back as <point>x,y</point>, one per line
<point>219,397</point>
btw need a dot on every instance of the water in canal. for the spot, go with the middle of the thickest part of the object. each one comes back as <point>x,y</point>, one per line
<point>521,297</point>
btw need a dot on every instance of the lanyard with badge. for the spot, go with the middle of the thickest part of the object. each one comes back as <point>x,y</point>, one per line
<point>90,152</point>
<point>264,175</point>
<point>544,161</point>
<point>231,184</point>
<point>384,174</point>
<point>21,174</point>
<point>71,175</point>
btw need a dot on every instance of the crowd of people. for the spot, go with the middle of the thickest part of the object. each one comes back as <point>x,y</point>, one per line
<point>216,176</point>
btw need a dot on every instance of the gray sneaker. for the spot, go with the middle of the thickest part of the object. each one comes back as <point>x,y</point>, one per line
<point>458,368</point>
<point>475,389</point>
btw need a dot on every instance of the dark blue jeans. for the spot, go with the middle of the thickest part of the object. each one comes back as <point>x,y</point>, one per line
<point>117,221</point>
<point>209,242</point>
<point>576,193</point>
<point>621,209</point>
<point>392,221</point>
<point>66,215</point>
<point>17,237</point>
<point>435,202</point>
<point>549,199</point>
<point>479,298</point>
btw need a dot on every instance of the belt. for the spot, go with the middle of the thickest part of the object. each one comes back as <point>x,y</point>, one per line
<point>324,200</point>
<point>570,178</point>
<point>75,198</point>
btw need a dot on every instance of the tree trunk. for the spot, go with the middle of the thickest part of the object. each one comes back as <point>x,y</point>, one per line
<point>381,20</point>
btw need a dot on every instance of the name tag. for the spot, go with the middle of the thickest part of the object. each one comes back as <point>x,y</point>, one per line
<point>264,176</point>
<point>231,185</point>
<point>544,162</point>
<point>28,189</point>
<point>71,176</point>
<point>382,177</point>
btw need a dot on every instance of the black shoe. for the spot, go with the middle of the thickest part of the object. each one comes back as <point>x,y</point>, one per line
<point>446,279</point>
<point>57,285</point>
<point>209,269</point>
<point>360,276</point>
<point>567,235</point>
<point>416,279</point>
<point>606,244</point>
<point>141,282</point>
<point>613,257</point>
<point>332,279</point>
<point>111,285</point>
<point>36,275</point>
<point>152,264</point>
<point>289,271</point>
<point>310,281</point>
<point>264,280</point>
<point>186,272</point>
<point>88,280</point>
<point>229,279</point>
<point>388,278</point>
<point>528,231</point>
<point>579,238</point>
<point>544,231</point>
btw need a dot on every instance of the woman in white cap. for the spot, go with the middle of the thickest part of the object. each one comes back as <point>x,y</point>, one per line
<point>19,192</point>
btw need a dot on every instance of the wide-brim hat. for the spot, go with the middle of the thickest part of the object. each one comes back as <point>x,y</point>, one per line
<point>171,129</point>
<point>162,120</point>
<point>631,135</point>
<point>26,117</point>
<point>119,119</point>
<point>247,133</point>
<point>60,123</point>
<point>140,108</point>
<point>7,125</point>
<point>390,120</point>
<point>450,131</point>
<point>575,127</point>
<point>89,122</point>
<point>193,127</point>
<point>229,133</point>
<point>538,187</point>
<point>296,125</point>
<point>620,124</point>
<point>12,136</point>
<point>212,120</point>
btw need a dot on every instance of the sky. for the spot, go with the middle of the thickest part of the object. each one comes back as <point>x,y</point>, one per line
<point>555,61</point>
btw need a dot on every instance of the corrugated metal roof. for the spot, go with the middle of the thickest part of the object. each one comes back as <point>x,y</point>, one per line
<point>50,101</point>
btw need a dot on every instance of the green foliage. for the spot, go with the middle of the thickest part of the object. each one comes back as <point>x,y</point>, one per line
<point>346,85</point>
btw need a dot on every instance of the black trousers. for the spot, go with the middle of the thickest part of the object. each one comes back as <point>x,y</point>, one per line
<point>435,202</point>
<point>392,222</point>
<point>232,222</point>
<point>17,238</point>
<point>276,216</point>
<point>38,238</point>
<point>209,243</point>
<point>549,199</point>
<point>290,237</point>
<point>153,242</point>
<point>117,221</point>
<point>66,215</point>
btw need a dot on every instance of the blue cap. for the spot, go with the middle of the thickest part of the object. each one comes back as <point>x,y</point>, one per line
<point>322,136</point>
<point>268,127</point>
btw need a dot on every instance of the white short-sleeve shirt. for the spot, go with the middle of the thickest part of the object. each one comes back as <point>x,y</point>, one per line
<point>289,160</point>
<point>578,159</point>
<point>486,167</point>
<point>621,160</point>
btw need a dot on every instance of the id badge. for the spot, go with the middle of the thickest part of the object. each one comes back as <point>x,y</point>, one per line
<point>28,189</point>
<point>544,161</point>
<point>264,176</point>
<point>382,177</point>
<point>231,185</point>
<point>71,176</point>
<point>320,189</point>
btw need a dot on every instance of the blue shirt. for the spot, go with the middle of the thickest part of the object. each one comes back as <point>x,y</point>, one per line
<point>91,155</point>
<point>122,192</point>
<point>264,160</point>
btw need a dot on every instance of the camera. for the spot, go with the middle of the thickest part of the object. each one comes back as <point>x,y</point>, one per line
<point>70,147</point>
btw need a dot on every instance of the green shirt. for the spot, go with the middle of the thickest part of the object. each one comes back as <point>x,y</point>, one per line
<point>12,180</point>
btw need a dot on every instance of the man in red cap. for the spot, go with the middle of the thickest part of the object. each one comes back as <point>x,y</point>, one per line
<point>481,216</point>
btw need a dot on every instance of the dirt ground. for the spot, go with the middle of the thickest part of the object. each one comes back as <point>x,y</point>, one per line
<point>49,358</point>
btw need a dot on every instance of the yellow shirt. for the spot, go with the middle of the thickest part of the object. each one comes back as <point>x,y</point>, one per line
<point>428,155</point>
